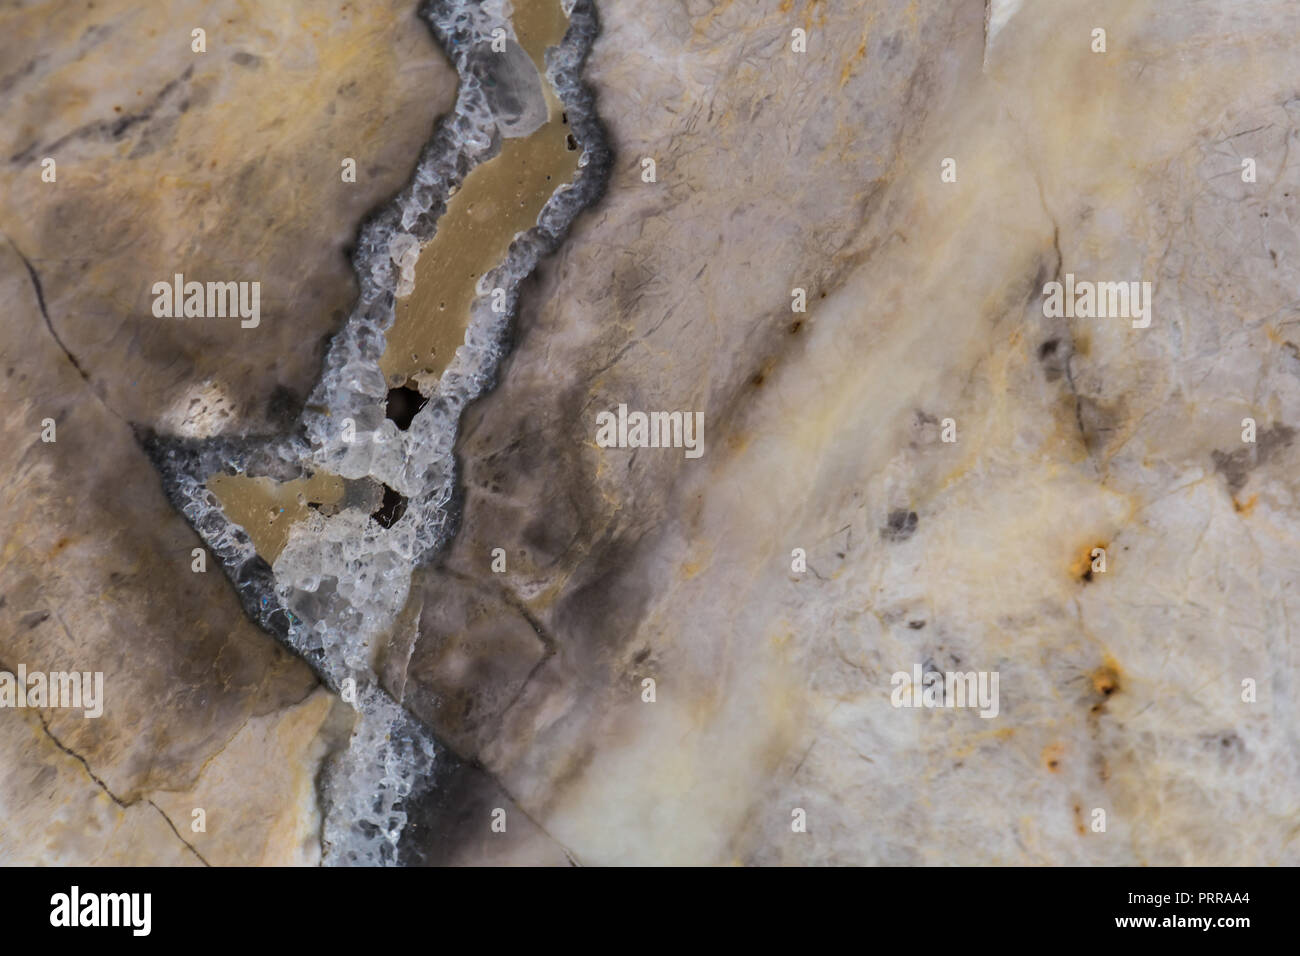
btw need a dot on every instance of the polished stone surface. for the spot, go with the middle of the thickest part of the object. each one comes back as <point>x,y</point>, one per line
<point>225,165</point>
<point>1121,690</point>
<point>913,474</point>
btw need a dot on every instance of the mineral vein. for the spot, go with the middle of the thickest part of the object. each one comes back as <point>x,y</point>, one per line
<point>360,501</point>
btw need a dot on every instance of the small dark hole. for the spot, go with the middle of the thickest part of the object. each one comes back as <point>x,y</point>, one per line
<point>1048,348</point>
<point>570,142</point>
<point>391,509</point>
<point>402,405</point>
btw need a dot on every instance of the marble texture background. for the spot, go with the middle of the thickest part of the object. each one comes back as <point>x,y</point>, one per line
<point>775,170</point>
<point>224,165</point>
<point>822,171</point>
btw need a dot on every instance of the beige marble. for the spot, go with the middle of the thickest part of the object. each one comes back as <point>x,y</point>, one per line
<point>221,165</point>
<point>1120,691</point>
<point>224,165</point>
<point>277,822</point>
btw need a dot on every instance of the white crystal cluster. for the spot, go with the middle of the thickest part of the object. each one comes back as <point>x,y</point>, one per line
<point>388,756</point>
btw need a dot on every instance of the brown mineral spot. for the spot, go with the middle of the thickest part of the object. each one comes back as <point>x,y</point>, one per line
<point>1081,566</point>
<point>1105,679</point>
<point>1245,507</point>
<point>1052,755</point>
<point>759,378</point>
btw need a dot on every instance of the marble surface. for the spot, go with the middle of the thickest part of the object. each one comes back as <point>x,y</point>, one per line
<point>1120,690</point>
<point>225,165</point>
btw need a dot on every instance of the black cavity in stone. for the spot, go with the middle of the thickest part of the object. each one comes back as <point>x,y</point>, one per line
<point>391,509</point>
<point>402,405</point>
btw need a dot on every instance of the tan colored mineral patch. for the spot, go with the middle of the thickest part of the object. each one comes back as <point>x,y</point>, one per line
<point>267,509</point>
<point>539,25</point>
<point>498,199</point>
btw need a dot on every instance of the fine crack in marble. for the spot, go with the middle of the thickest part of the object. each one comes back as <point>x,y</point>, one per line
<point>330,580</point>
